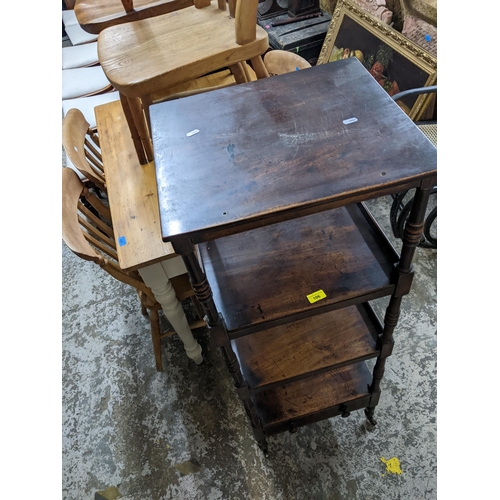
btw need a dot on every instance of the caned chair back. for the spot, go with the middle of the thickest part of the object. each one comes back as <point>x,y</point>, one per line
<point>81,144</point>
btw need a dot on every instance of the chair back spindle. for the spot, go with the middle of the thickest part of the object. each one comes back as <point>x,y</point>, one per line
<point>128,5</point>
<point>245,25</point>
<point>81,144</point>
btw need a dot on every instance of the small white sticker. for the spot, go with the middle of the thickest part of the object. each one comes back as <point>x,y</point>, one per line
<point>349,120</point>
<point>195,131</point>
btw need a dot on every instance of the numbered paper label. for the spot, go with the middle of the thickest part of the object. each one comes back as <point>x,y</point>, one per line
<point>315,296</point>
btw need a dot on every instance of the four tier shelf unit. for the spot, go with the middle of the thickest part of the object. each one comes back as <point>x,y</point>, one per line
<point>261,189</point>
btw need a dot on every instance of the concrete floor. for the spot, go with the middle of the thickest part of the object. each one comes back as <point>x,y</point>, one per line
<point>130,432</point>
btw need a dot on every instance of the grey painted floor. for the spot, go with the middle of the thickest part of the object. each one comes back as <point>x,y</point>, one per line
<point>130,432</point>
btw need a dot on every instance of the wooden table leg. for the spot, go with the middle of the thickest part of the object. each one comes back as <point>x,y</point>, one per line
<point>156,278</point>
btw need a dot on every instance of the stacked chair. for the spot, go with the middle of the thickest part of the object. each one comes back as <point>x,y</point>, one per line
<point>88,232</point>
<point>84,84</point>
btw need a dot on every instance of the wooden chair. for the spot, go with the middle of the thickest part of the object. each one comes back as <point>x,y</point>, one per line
<point>96,15</point>
<point>279,62</point>
<point>145,59</point>
<point>74,31</point>
<point>87,231</point>
<point>402,202</point>
<point>81,145</point>
<point>88,104</point>
<point>84,82</point>
<point>80,56</point>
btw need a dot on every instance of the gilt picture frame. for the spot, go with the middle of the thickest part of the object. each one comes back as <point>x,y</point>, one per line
<point>402,65</point>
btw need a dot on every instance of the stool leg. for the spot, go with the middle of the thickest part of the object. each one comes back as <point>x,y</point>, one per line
<point>259,68</point>
<point>133,130</point>
<point>250,74</point>
<point>142,126</point>
<point>156,278</point>
<point>238,73</point>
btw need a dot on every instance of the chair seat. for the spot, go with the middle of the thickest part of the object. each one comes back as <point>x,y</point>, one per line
<point>78,36</point>
<point>79,56</point>
<point>69,18</point>
<point>81,82</point>
<point>173,48</point>
<point>96,15</point>
<point>87,104</point>
<point>430,131</point>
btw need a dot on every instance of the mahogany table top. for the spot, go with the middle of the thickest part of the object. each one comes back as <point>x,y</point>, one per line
<point>282,147</point>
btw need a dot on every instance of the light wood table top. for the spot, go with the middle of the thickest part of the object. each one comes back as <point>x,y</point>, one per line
<point>132,193</point>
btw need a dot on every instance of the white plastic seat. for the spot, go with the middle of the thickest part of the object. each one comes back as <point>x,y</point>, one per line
<point>87,104</point>
<point>80,56</point>
<point>75,32</point>
<point>80,82</point>
<point>77,36</point>
<point>69,18</point>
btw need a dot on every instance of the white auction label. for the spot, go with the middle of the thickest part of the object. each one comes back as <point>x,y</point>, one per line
<point>349,120</point>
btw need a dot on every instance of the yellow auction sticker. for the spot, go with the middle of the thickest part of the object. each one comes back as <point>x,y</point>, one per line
<point>392,466</point>
<point>315,296</point>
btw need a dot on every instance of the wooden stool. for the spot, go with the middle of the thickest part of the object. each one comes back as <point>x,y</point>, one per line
<point>145,59</point>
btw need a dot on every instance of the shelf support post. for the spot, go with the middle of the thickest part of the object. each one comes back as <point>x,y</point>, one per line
<point>412,233</point>
<point>185,248</point>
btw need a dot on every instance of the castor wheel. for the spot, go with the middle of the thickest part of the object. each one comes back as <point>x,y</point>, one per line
<point>263,447</point>
<point>370,418</point>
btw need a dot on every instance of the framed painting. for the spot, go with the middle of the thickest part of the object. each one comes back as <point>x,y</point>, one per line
<point>393,60</point>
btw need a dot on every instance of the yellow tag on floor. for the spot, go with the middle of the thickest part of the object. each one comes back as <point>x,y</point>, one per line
<point>393,465</point>
<point>315,296</point>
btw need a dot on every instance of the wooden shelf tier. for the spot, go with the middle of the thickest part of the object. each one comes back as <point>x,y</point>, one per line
<point>261,278</point>
<point>308,346</point>
<point>316,398</point>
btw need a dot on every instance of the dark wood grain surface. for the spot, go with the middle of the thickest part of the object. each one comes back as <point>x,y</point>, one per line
<point>306,346</point>
<point>261,275</point>
<point>268,149</point>
<point>298,399</point>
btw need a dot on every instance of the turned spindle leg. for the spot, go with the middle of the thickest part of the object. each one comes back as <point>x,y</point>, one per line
<point>156,278</point>
<point>218,331</point>
<point>404,275</point>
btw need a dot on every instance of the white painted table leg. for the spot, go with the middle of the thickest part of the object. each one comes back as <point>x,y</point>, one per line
<point>156,278</point>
